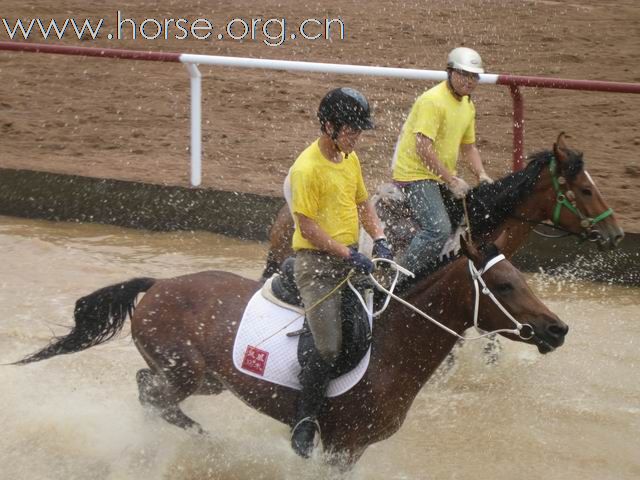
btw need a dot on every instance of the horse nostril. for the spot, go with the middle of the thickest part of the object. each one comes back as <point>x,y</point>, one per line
<point>617,239</point>
<point>558,330</point>
<point>595,236</point>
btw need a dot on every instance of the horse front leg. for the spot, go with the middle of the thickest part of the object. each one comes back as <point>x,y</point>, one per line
<point>342,455</point>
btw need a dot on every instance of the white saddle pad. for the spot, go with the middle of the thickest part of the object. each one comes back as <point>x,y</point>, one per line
<point>263,350</point>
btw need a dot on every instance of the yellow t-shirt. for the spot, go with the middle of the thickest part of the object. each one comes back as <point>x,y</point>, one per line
<point>328,193</point>
<point>449,122</point>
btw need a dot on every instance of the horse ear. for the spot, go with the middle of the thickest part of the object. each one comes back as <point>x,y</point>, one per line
<point>501,241</point>
<point>560,148</point>
<point>469,250</point>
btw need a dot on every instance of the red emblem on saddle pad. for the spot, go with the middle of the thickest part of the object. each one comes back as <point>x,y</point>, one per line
<point>255,360</point>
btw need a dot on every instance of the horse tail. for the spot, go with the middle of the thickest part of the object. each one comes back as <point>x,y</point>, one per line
<point>99,316</point>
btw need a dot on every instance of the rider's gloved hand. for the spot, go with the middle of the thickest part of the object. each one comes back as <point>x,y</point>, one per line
<point>382,249</point>
<point>484,178</point>
<point>360,262</point>
<point>458,187</point>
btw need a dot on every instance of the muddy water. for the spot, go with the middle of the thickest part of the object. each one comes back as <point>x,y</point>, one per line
<point>573,414</point>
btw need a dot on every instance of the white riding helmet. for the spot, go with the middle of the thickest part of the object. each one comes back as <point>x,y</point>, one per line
<point>467,59</point>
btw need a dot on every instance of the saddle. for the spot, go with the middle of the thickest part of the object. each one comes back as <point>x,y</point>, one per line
<point>356,331</point>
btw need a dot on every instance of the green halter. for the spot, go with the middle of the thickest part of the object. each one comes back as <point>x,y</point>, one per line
<point>561,201</point>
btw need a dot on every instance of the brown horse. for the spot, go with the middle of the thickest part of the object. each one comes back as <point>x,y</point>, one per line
<point>184,327</point>
<point>553,187</point>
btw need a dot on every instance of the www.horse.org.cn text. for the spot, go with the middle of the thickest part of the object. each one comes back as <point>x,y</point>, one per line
<point>272,32</point>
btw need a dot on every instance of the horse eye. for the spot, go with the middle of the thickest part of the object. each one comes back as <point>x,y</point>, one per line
<point>504,288</point>
<point>586,191</point>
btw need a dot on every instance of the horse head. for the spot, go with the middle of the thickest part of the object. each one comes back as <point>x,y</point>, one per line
<point>507,301</point>
<point>579,206</point>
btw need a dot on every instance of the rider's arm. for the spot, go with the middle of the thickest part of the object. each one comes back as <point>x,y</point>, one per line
<point>427,153</point>
<point>471,154</point>
<point>370,220</point>
<point>310,230</point>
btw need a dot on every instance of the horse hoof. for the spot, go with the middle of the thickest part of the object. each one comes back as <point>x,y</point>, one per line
<point>198,430</point>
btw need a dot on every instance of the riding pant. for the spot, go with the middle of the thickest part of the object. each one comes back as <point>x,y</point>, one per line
<point>429,211</point>
<point>317,274</point>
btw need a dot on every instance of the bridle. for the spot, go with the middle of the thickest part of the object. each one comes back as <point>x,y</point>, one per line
<point>566,199</point>
<point>476,275</point>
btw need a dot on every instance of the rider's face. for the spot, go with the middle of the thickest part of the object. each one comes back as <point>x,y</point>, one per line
<point>348,138</point>
<point>464,82</point>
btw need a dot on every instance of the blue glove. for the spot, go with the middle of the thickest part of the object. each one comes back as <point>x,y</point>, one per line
<point>360,261</point>
<point>382,249</point>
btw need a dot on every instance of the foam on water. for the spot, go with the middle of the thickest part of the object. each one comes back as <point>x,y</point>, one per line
<point>567,415</point>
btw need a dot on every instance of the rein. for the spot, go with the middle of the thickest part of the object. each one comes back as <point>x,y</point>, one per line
<point>476,276</point>
<point>564,232</point>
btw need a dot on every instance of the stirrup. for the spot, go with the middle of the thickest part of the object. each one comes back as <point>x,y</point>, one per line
<point>316,438</point>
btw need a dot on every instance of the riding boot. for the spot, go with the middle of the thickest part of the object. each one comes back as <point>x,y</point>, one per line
<point>314,379</point>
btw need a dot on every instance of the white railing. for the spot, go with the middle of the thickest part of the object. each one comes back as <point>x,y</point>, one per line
<point>192,61</point>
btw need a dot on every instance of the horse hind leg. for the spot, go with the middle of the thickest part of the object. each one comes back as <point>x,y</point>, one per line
<point>174,377</point>
<point>210,386</point>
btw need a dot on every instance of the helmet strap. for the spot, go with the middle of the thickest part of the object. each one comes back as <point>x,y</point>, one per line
<point>334,140</point>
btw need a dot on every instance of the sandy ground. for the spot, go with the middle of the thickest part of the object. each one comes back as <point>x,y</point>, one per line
<point>130,120</point>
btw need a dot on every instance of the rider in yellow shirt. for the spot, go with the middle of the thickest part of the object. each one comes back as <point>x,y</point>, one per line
<point>329,201</point>
<point>328,192</point>
<point>439,128</point>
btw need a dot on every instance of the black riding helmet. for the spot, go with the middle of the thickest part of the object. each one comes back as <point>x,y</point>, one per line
<point>345,106</point>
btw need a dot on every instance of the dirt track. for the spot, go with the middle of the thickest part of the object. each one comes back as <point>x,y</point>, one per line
<point>130,120</point>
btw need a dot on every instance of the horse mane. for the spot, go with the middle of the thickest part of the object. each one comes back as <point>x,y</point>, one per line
<point>490,204</point>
